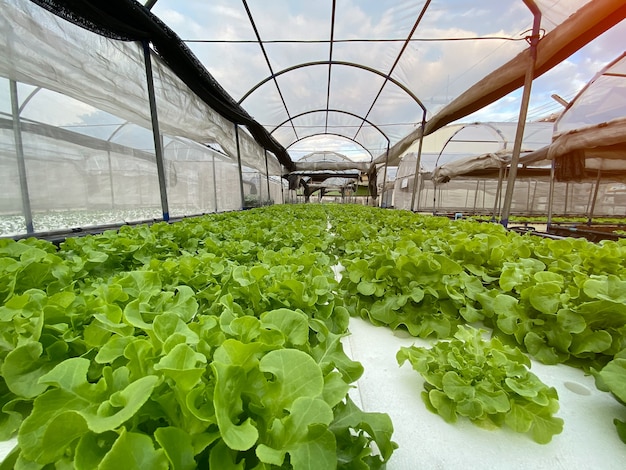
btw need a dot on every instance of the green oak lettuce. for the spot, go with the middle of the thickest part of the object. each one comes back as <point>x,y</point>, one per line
<point>215,342</point>
<point>486,382</point>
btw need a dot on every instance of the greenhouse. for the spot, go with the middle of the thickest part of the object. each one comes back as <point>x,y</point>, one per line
<point>312,235</point>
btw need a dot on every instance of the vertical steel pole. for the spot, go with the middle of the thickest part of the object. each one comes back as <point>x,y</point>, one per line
<point>476,196</point>
<point>419,181</point>
<point>418,164</point>
<point>111,180</point>
<point>589,199</point>
<point>382,196</point>
<point>528,80</point>
<point>551,194</point>
<point>239,166</point>
<point>214,181</point>
<point>595,197</point>
<point>267,175</point>
<point>21,164</point>
<point>484,194</point>
<point>532,203</point>
<point>156,133</point>
<point>496,201</point>
<point>282,186</point>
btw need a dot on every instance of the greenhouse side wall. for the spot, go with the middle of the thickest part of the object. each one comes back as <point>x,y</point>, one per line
<point>75,110</point>
<point>532,196</point>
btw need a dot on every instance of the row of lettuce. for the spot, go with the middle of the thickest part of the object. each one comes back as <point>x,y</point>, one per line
<point>557,300</point>
<point>216,342</point>
<point>210,343</point>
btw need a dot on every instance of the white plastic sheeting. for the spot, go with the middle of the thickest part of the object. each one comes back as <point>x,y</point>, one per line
<point>588,143</point>
<point>44,50</point>
<point>601,101</point>
<point>481,148</point>
<point>571,33</point>
<point>85,132</point>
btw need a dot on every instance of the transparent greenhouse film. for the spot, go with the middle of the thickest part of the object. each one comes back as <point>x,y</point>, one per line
<point>251,181</point>
<point>277,190</point>
<point>89,153</point>
<point>83,167</point>
<point>532,196</point>
<point>190,177</point>
<point>255,189</point>
<point>602,101</point>
<point>12,220</point>
<point>228,190</point>
<point>403,192</point>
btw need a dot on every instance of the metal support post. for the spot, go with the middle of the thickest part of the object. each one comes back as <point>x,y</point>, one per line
<point>21,164</point>
<point>418,162</point>
<point>484,194</point>
<point>111,183</point>
<point>595,197</point>
<point>156,133</point>
<point>239,166</point>
<point>476,196</point>
<point>267,176</point>
<point>214,181</point>
<point>532,202</point>
<point>496,201</point>
<point>590,198</point>
<point>519,135</point>
<point>382,195</point>
<point>282,186</point>
<point>420,184</point>
<point>551,194</point>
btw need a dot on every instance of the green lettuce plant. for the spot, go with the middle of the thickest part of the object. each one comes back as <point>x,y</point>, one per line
<point>214,342</point>
<point>612,378</point>
<point>487,382</point>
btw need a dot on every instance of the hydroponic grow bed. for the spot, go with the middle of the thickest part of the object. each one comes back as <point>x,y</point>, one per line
<point>426,441</point>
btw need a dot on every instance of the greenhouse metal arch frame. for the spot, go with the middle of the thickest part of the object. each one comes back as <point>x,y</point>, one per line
<point>330,63</point>
<point>363,119</point>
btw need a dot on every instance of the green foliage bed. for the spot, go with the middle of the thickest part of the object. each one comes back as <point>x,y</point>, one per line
<point>215,342</point>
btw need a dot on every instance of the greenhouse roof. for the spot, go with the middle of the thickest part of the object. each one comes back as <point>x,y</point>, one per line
<point>590,135</point>
<point>368,73</point>
<point>366,79</point>
<point>588,140</point>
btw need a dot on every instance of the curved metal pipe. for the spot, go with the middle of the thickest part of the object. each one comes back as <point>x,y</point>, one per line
<point>330,133</point>
<point>322,110</point>
<point>486,124</point>
<point>334,62</point>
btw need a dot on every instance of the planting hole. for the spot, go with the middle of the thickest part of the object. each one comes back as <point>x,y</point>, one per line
<point>577,388</point>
